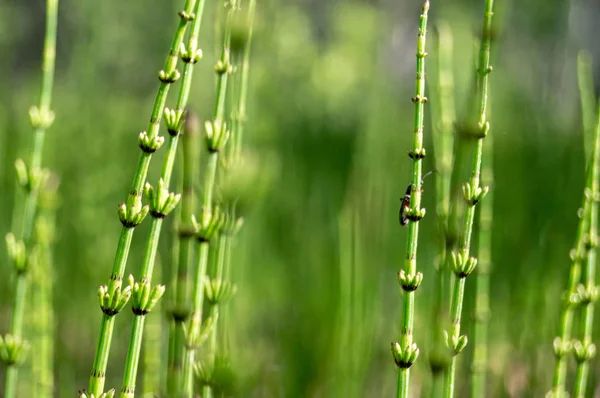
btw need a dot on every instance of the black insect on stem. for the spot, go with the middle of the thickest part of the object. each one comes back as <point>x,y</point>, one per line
<point>403,217</point>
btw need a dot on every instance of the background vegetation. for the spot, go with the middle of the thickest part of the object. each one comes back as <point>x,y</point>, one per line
<point>330,123</point>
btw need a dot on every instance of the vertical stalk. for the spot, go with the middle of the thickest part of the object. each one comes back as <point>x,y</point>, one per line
<point>406,351</point>
<point>131,214</point>
<point>151,374</point>
<point>211,219</point>
<point>482,300</point>
<point>180,310</point>
<point>444,147</point>
<point>562,343</point>
<point>462,262</point>
<point>161,204</point>
<point>42,283</point>
<point>31,178</point>
<point>588,292</point>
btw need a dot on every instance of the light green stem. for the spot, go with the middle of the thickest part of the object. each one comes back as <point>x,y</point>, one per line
<point>567,309</point>
<point>96,385</point>
<point>410,263</point>
<point>482,299</point>
<point>475,190</point>
<point>587,320</point>
<point>21,280</point>
<point>133,354</point>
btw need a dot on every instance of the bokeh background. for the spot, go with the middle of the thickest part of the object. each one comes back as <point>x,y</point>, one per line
<point>330,124</point>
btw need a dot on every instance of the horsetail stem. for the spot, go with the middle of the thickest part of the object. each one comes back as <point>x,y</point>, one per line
<point>444,147</point>
<point>462,262</point>
<point>161,204</point>
<point>587,292</point>
<point>482,276</point>
<point>562,343</point>
<point>405,352</point>
<point>211,217</point>
<point>132,213</point>
<point>31,178</point>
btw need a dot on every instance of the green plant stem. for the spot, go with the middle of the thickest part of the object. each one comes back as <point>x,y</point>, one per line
<point>410,264</point>
<point>207,204</point>
<point>151,382</point>
<point>180,311</point>
<point>587,320</point>
<point>42,294</point>
<point>21,282</point>
<point>133,354</point>
<point>476,194</point>
<point>444,147</point>
<point>563,340</point>
<point>97,378</point>
<point>482,299</point>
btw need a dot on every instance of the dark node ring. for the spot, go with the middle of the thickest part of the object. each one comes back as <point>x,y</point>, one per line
<point>403,364</point>
<point>173,132</point>
<point>168,80</point>
<point>109,311</point>
<point>157,214</point>
<point>147,149</point>
<point>115,277</point>
<point>413,155</point>
<point>98,373</point>
<point>409,287</point>
<point>139,311</point>
<point>186,16</point>
<point>202,238</point>
<point>462,274</point>
<point>414,217</point>
<point>188,59</point>
<point>186,232</point>
<point>129,224</point>
<point>213,149</point>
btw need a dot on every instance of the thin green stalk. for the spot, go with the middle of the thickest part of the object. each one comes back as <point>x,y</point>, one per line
<point>42,296</point>
<point>587,293</point>
<point>406,351</point>
<point>180,312</point>
<point>444,146</point>
<point>562,343</point>
<point>131,214</point>
<point>161,204</point>
<point>31,178</point>
<point>152,364</point>
<point>482,300</point>
<point>462,262</point>
<point>211,219</point>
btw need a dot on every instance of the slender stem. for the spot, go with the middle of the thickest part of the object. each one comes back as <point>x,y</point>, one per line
<point>474,193</point>
<point>562,342</point>
<point>444,146</point>
<point>223,70</point>
<point>584,349</point>
<point>482,299</point>
<point>409,278</point>
<point>133,354</point>
<point>167,76</point>
<point>152,364</point>
<point>180,311</point>
<point>21,281</point>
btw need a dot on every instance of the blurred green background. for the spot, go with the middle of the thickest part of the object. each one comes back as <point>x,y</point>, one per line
<point>330,121</point>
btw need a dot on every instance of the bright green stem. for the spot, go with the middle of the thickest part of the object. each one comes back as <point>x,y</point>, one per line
<point>443,143</point>
<point>567,309</point>
<point>151,361</point>
<point>410,264</point>
<point>133,354</point>
<point>482,299</point>
<point>585,79</point>
<point>474,182</point>
<point>96,386</point>
<point>587,319</point>
<point>21,281</point>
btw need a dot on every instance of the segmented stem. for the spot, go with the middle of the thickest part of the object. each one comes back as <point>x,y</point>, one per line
<point>167,76</point>
<point>45,116</point>
<point>407,351</point>
<point>463,263</point>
